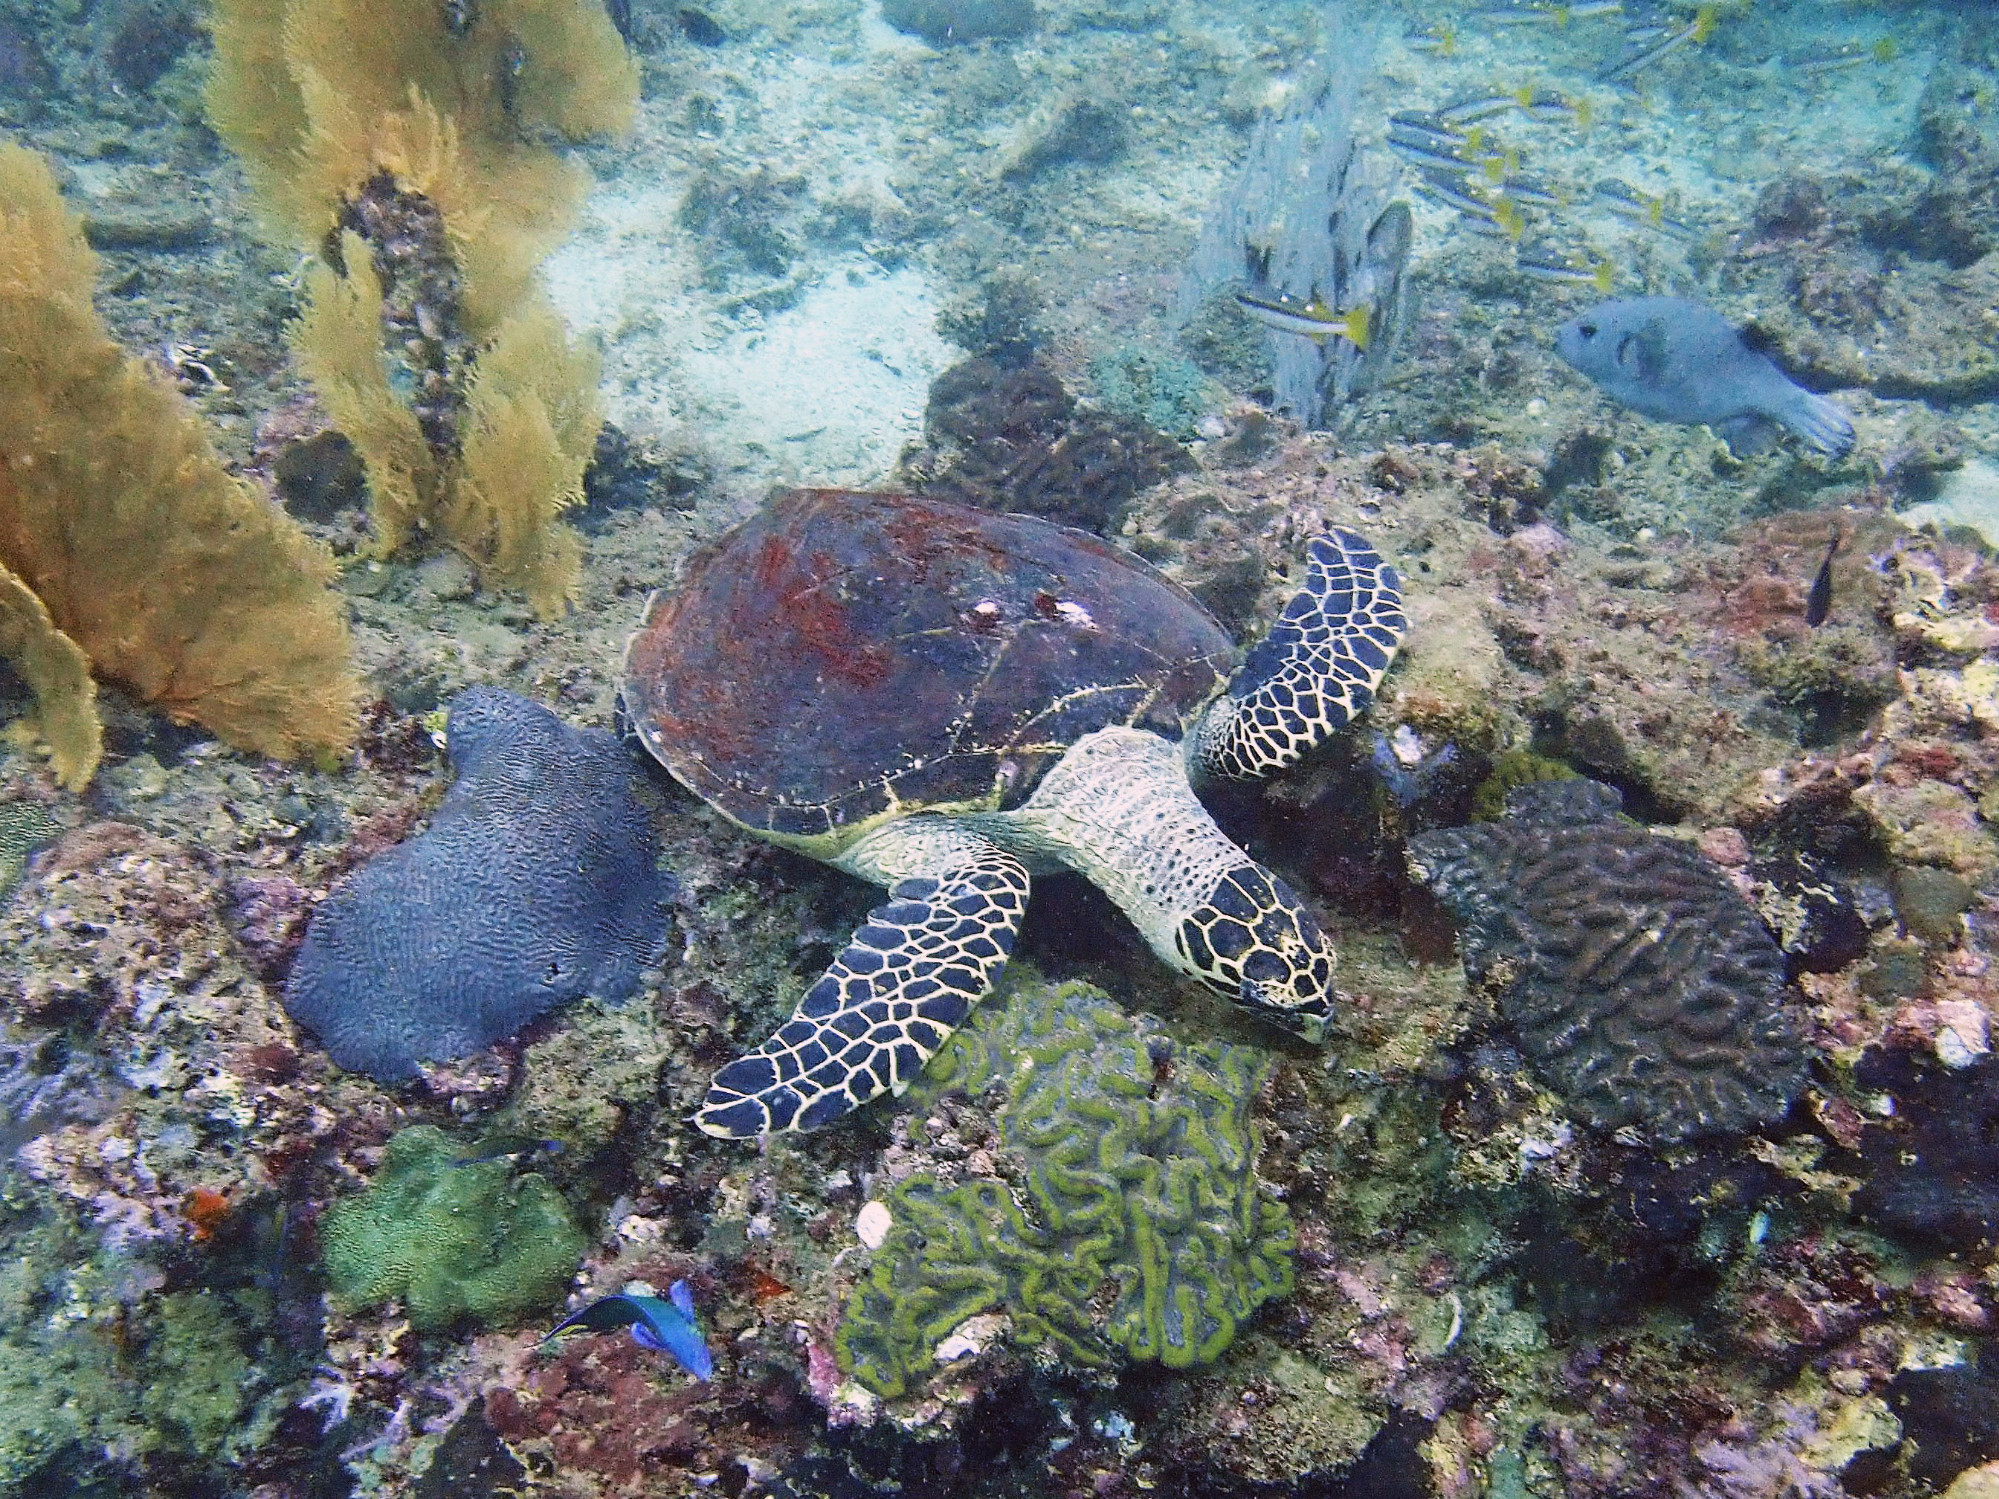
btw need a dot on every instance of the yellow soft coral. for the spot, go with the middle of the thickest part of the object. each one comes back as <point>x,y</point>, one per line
<point>402,145</point>
<point>173,577</point>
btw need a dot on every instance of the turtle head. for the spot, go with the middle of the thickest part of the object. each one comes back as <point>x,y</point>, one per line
<point>1254,941</point>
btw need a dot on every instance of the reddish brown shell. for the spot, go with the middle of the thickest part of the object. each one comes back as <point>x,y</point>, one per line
<point>840,653</point>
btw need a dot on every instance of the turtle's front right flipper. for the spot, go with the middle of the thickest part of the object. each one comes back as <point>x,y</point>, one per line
<point>907,979</point>
<point>1316,670</point>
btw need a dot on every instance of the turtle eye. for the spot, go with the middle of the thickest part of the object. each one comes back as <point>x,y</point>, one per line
<point>1588,330</point>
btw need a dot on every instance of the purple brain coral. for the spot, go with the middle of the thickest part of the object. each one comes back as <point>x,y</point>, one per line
<point>1646,990</point>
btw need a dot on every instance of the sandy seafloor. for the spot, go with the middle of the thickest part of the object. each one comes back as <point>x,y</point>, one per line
<point>1492,1297</point>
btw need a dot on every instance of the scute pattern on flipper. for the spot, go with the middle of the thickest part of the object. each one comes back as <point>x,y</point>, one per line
<point>910,975</point>
<point>1317,669</point>
<point>1645,989</point>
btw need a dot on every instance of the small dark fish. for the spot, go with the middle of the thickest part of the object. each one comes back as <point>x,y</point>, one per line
<point>1559,265</point>
<point>519,1152</point>
<point>1441,40</point>
<point>700,28</point>
<point>1825,65</point>
<point>1818,603</point>
<point>511,64</point>
<point>1480,107</point>
<point>1428,157</point>
<point>1308,317</point>
<point>663,1326</point>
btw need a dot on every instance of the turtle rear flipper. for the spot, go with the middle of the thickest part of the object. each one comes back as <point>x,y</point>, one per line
<point>1315,671</point>
<point>896,992</point>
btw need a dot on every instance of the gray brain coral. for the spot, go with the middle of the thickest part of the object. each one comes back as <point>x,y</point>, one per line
<point>1643,986</point>
<point>534,885</point>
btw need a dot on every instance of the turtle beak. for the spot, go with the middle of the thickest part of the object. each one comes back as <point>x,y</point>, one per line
<point>1307,1020</point>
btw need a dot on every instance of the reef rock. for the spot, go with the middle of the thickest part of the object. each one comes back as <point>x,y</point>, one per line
<point>1929,1159</point>
<point>1643,986</point>
<point>943,22</point>
<point>534,885</point>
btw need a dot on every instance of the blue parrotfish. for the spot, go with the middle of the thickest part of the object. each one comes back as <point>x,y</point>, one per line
<point>1680,361</point>
<point>667,1327</point>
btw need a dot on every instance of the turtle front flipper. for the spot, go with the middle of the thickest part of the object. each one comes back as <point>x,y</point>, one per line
<point>1315,671</point>
<point>907,979</point>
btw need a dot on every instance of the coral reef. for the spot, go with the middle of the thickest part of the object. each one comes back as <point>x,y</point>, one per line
<point>1927,1155</point>
<point>58,673</point>
<point>24,827</point>
<point>124,543</point>
<point>534,885</point>
<point>1492,1300</point>
<point>1005,435</point>
<point>1167,393</point>
<point>401,145</point>
<point>1136,1164</point>
<point>456,1239</point>
<point>1642,984</point>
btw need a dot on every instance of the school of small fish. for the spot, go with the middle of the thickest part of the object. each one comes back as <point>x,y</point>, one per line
<point>1668,358</point>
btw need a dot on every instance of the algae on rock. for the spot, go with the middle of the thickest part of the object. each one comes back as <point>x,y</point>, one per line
<point>125,545</point>
<point>402,145</point>
<point>1137,1193</point>
<point>458,1239</point>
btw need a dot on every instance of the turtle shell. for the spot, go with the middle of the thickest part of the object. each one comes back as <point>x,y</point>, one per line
<point>842,654</point>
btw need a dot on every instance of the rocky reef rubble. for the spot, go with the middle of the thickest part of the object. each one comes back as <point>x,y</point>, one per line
<point>1469,1284</point>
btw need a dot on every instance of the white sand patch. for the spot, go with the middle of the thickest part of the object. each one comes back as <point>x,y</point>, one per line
<point>827,390</point>
<point>830,390</point>
<point>1967,496</point>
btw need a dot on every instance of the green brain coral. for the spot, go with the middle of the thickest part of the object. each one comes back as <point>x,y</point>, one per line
<point>1137,1193</point>
<point>460,1240</point>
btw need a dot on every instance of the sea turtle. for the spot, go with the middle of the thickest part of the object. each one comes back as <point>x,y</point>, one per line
<point>942,700</point>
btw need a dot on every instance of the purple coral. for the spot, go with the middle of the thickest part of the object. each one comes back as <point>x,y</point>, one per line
<point>535,885</point>
<point>1643,986</point>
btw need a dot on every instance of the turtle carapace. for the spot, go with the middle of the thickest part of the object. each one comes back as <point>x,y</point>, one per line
<point>945,701</point>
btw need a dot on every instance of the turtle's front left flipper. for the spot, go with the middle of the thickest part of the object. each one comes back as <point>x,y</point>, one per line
<point>898,989</point>
<point>1315,671</point>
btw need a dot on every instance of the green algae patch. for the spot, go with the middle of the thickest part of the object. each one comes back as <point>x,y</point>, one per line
<point>459,1240</point>
<point>1515,767</point>
<point>200,1371</point>
<point>1135,1225</point>
<point>100,1375</point>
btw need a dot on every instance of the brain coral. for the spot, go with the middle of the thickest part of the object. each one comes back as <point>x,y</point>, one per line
<point>1136,1224</point>
<point>535,884</point>
<point>460,1240</point>
<point>1644,987</point>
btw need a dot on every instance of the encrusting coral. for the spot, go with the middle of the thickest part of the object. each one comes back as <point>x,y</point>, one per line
<point>458,1239</point>
<point>1138,1172</point>
<point>534,884</point>
<point>126,548</point>
<point>401,144</point>
<point>1640,982</point>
